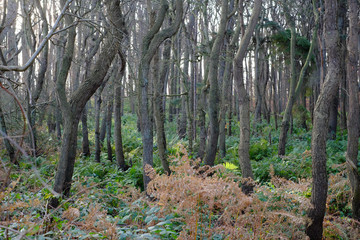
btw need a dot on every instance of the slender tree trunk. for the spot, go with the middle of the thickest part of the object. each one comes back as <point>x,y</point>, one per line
<point>285,124</point>
<point>333,117</point>
<point>226,87</point>
<point>109,113</point>
<point>85,133</point>
<point>257,79</point>
<point>184,90</point>
<point>316,213</point>
<point>211,147</point>
<point>295,88</point>
<point>119,152</point>
<point>203,91</point>
<point>97,125</point>
<point>159,108</point>
<point>353,116</point>
<point>244,101</point>
<point>103,128</point>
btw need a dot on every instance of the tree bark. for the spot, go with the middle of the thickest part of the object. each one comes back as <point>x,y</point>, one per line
<point>244,101</point>
<point>159,108</point>
<point>119,152</point>
<point>212,144</point>
<point>353,116</point>
<point>98,101</point>
<point>85,133</point>
<point>72,109</point>
<point>316,213</point>
<point>151,42</point>
<point>109,113</point>
<point>295,88</point>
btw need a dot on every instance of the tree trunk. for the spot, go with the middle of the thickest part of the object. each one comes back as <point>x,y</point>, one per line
<point>211,147</point>
<point>294,88</point>
<point>353,116</point>
<point>316,213</point>
<point>159,108</point>
<point>109,113</point>
<point>97,125</point>
<point>151,42</point>
<point>226,87</point>
<point>185,92</point>
<point>285,124</point>
<point>73,108</point>
<point>119,152</point>
<point>333,117</point>
<point>85,133</point>
<point>244,101</point>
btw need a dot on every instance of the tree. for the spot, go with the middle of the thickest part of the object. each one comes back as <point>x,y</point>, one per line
<point>151,42</point>
<point>73,107</point>
<point>353,116</point>
<point>244,101</point>
<point>295,85</point>
<point>211,147</point>
<point>316,214</point>
<point>119,152</point>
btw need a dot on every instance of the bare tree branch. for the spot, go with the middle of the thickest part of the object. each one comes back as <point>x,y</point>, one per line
<point>41,46</point>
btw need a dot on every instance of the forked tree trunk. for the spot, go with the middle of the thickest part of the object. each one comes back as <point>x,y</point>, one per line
<point>214,96</point>
<point>151,42</point>
<point>316,213</point>
<point>73,108</point>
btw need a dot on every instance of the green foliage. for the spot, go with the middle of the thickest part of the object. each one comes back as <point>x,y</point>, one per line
<point>281,40</point>
<point>107,203</point>
<point>259,150</point>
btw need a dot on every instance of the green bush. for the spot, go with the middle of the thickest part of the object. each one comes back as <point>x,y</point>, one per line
<point>259,150</point>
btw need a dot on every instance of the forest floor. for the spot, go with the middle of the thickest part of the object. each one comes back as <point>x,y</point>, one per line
<point>194,202</point>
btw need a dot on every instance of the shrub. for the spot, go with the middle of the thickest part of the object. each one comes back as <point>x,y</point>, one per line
<point>259,150</point>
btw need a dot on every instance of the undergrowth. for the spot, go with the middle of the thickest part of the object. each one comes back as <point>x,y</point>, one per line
<point>194,202</point>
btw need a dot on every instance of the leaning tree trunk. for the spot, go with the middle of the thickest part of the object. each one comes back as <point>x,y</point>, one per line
<point>353,116</point>
<point>151,43</point>
<point>316,213</point>
<point>85,133</point>
<point>295,88</point>
<point>159,107</point>
<point>211,147</point>
<point>73,108</point>
<point>244,101</point>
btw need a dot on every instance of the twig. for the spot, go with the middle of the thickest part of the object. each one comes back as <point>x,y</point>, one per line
<point>41,46</point>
